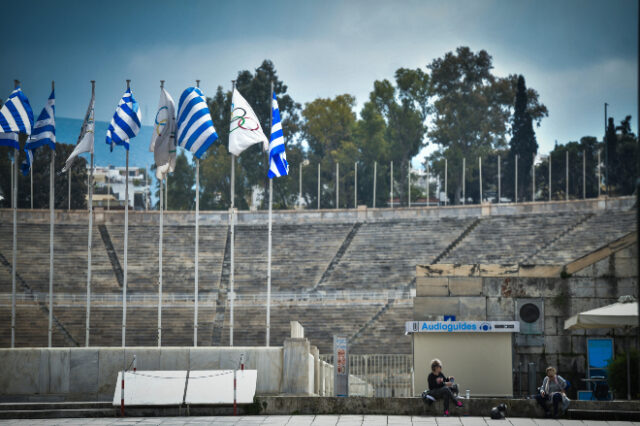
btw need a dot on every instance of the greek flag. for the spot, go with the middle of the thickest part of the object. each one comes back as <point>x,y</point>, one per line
<point>9,139</point>
<point>16,116</point>
<point>44,133</point>
<point>195,127</point>
<point>278,165</point>
<point>125,123</point>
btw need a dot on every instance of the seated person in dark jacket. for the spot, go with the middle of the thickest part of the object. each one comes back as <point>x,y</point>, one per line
<point>440,386</point>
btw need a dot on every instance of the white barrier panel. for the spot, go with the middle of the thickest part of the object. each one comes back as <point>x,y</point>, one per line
<point>216,387</point>
<point>151,388</point>
<point>168,387</point>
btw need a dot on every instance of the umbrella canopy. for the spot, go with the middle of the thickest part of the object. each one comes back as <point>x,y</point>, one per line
<point>621,314</point>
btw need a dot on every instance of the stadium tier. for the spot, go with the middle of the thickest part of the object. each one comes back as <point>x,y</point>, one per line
<point>315,263</point>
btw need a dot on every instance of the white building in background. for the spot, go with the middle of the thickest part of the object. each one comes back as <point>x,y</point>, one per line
<point>110,185</point>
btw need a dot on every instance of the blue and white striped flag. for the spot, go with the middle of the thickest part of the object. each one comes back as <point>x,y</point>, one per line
<point>125,123</point>
<point>278,165</point>
<point>9,139</point>
<point>16,116</point>
<point>195,127</point>
<point>44,133</point>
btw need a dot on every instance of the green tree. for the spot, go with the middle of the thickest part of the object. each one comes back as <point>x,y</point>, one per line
<point>472,111</point>
<point>373,146</point>
<point>329,129</point>
<point>252,166</point>
<point>41,165</point>
<point>404,109</point>
<point>626,153</point>
<point>523,141</point>
<point>586,149</point>
<point>612,154</point>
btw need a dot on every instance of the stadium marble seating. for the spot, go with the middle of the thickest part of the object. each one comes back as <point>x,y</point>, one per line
<point>590,235</point>
<point>320,322</point>
<point>377,256</point>
<point>387,331</point>
<point>510,239</point>
<point>300,255</point>
<point>178,257</point>
<point>383,255</point>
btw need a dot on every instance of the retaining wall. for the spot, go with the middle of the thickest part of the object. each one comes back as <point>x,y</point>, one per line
<point>361,214</point>
<point>89,374</point>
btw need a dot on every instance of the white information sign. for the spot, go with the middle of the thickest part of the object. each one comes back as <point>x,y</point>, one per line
<point>462,327</point>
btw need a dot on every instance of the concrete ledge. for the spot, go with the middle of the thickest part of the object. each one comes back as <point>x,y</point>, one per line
<point>362,214</point>
<point>284,405</point>
<point>275,405</point>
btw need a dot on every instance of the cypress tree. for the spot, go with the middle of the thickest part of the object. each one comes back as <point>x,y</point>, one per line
<point>523,142</point>
<point>612,149</point>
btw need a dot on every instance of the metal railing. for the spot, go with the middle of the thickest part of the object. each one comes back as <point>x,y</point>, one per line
<point>380,375</point>
<point>210,299</point>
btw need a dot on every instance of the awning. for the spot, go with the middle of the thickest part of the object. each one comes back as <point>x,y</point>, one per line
<point>618,315</point>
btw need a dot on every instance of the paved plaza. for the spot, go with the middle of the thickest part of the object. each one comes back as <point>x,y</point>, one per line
<point>325,420</point>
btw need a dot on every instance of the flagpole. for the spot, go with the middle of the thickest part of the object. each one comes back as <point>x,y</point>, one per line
<point>375,172</point>
<point>269,236</point>
<point>14,203</point>
<point>51,231</point>
<point>90,237</point>
<point>31,176</point>
<point>166,192</point>
<point>232,225</point>
<point>318,185</point>
<point>195,311</point>
<point>52,174</point>
<point>126,241</point>
<point>355,185</point>
<point>391,192</point>
<point>160,256</point>
<point>69,186</point>
<point>409,186</point>
<point>160,270</point>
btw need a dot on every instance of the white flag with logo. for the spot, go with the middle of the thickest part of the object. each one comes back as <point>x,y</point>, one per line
<point>163,140</point>
<point>245,127</point>
<point>85,140</point>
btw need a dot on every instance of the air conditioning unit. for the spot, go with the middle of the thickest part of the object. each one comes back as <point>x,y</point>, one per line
<point>530,314</point>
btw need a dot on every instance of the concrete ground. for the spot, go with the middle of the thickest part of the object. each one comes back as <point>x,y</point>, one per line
<point>324,420</point>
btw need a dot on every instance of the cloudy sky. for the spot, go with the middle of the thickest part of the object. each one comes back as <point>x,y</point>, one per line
<point>577,54</point>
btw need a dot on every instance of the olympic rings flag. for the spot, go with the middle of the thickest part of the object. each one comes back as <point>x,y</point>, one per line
<point>195,127</point>
<point>245,127</point>
<point>163,140</point>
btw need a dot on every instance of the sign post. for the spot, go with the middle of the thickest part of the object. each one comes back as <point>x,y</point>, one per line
<point>340,366</point>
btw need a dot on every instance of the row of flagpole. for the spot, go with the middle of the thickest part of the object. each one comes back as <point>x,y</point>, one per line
<point>192,129</point>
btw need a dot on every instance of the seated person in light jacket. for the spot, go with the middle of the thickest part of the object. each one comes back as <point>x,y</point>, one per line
<point>440,386</point>
<point>552,393</point>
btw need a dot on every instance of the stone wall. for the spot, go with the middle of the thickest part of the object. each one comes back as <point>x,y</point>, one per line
<point>494,292</point>
<point>361,214</point>
<point>89,374</point>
